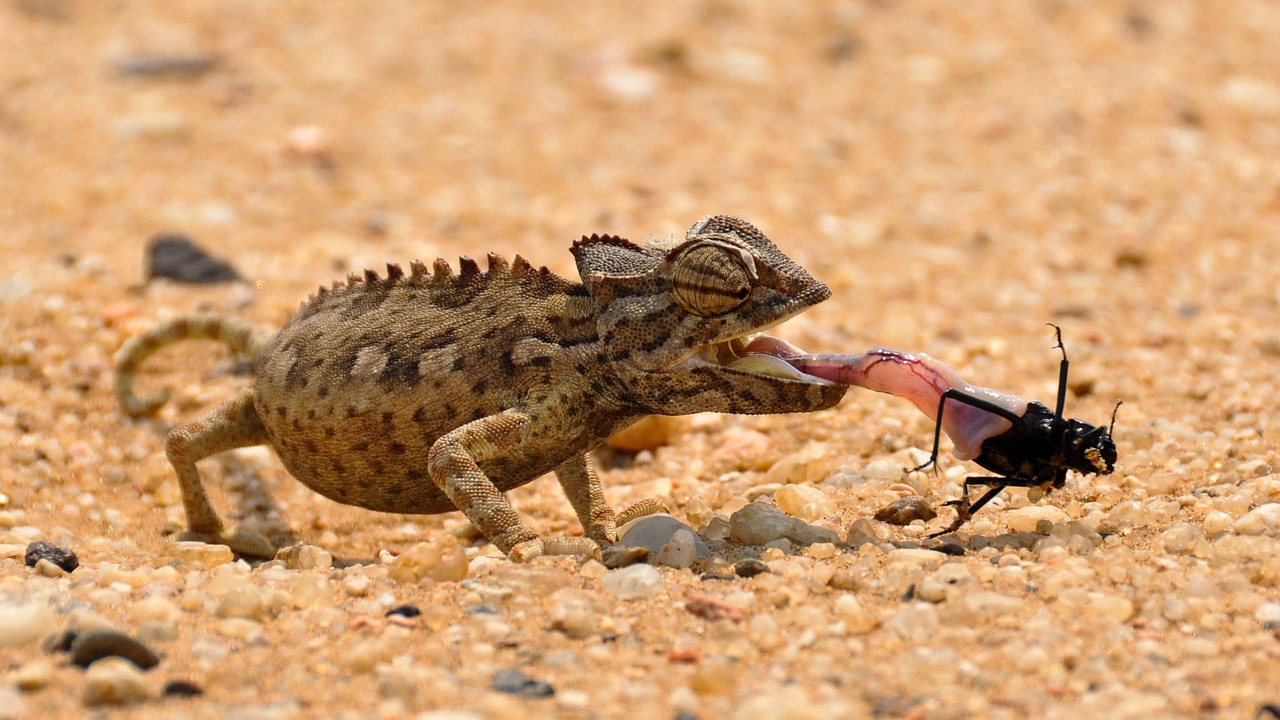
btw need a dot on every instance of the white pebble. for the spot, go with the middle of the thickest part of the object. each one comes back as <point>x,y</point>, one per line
<point>1262,520</point>
<point>25,620</point>
<point>633,583</point>
<point>680,551</point>
<point>915,622</point>
<point>1027,518</point>
<point>805,502</point>
<point>1267,613</point>
<point>113,681</point>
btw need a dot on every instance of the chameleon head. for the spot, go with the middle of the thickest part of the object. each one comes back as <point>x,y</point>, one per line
<point>683,325</point>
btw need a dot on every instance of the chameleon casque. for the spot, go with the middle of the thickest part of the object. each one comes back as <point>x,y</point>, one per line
<point>431,391</point>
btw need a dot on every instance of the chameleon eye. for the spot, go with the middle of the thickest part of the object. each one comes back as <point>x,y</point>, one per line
<point>711,280</point>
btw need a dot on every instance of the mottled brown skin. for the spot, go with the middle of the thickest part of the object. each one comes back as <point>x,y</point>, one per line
<point>430,392</point>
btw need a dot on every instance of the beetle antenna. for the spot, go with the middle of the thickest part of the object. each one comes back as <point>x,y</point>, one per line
<point>1062,375</point>
<point>1112,426</point>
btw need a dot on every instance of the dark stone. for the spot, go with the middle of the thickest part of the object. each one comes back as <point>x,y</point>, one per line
<point>92,646</point>
<point>409,611</point>
<point>750,567</point>
<point>61,557</point>
<point>514,682</point>
<point>176,257</point>
<point>484,609</point>
<point>950,548</point>
<point>182,688</point>
<point>61,642</point>
<point>618,556</point>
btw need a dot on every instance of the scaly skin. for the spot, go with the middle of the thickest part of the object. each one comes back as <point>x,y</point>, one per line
<point>430,392</point>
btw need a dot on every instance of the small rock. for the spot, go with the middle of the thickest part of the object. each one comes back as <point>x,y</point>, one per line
<point>90,647</point>
<point>710,608</point>
<point>574,620</point>
<point>176,257</point>
<point>984,604</point>
<point>1026,519</point>
<point>633,583</point>
<point>1268,614</point>
<point>182,688</point>
<point>914,622</point>
<point>34,675</point>
<point>247,603</point>
<point>949,548</point>
<point>656,531</point>
<point>1262,520</point>
<point>300,556</point>
<point>862,531</point>
<point>409,611</point>
<point>759,523</point>
<point>64,559</point>
<point>907,510</point>
<point>197,552</point>
<point>514,682</point>
<point>1183,538</point>
<point>808,465</point>
<point>805,502</point>
<point>620,556</point>
<point>680,551</point>
<point>48,569</point>
<point>915,557</point>
<point>750,567</point>
<point>113,681</point>
<point>441,560</point>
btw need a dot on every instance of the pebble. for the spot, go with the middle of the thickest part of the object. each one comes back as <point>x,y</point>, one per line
<point>181,688</point>
<point>197,552</point>
<point>24,621</point>
<point>153,631</point>
<point>305,557</point>
<point>905,511</point>
<point>514,682</point>
<point>177,257</point>
<point>636,582</point>
<point>711,608</point>
<point>984,604</point>
<point>1026,519</point>
<point>808,465</point>
<point>805,502</point>
<point>64,559</point>
<point>750,567</point>
<point>1268,614</point>
<point>312,590</point>
<point>1262,520</point>
<point>656,531</point>
<point>620,556</point>
<point>32,676</point>
<point>758,523</point>
<point>862,531</point>
<point>914,622</point>
<point>714,676</point>
<point>114,681</point>
<point>248,603</point>
<point>441,560</point>
<point>680,551</point>
<point>90,647</point>
<point>409,611</point>
<point>1183,538</point>
<point>574,620</point>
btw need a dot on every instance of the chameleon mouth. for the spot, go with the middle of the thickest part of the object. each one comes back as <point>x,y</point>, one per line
<point>759,354</point>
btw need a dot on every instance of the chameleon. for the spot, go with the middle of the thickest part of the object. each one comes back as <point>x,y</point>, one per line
<point>433,391</point>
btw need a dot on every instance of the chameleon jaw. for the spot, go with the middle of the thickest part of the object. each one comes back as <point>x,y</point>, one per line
<point>757,354</point>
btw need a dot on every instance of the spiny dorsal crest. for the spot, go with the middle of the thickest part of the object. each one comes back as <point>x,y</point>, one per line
<point>440,274</point>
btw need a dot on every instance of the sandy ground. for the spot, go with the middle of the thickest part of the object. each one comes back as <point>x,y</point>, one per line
<point>959,174</point>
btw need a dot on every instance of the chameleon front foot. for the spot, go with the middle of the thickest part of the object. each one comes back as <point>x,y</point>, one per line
<point>244,543</point>
<point>530,549</point>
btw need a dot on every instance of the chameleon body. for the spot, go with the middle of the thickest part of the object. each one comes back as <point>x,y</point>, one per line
<point>432,391</point>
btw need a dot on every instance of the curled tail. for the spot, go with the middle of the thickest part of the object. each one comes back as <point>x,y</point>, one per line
<point>241,337</point>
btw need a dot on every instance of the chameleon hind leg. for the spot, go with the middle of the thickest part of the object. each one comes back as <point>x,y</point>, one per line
<point>233,424</point>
